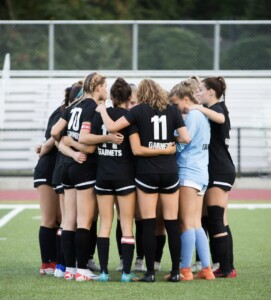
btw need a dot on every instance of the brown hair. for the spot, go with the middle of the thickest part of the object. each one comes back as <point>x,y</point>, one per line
<point>71,93</point>
<point>186,88</point>
<point>120,91</point>
<point>152,93</point>
<point>217,84</point>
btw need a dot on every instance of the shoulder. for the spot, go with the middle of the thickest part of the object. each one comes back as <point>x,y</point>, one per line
<point>218,107</point>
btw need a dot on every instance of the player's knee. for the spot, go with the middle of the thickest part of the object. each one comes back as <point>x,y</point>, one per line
<point>216,220</point>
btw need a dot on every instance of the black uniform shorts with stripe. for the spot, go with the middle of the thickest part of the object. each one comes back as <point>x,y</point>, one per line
<point>158,183</point>
<point>57,178</point>
<point>79,176</point>
<point>115,187</point>
<point>222,181</point>
<point>44,171</point>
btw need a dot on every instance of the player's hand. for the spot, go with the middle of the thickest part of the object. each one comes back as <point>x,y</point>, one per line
<point>38,148</point>
<point>116,138</point>
<point>171,148</point>
<point>79,157</point>
<point>67,140</point>
<point>100,108</point>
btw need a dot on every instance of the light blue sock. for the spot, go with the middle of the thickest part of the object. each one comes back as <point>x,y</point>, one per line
<point>202,247</point>
<point>188,245</point>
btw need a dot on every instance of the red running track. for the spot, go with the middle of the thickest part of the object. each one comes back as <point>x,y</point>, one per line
<point>235,194</point>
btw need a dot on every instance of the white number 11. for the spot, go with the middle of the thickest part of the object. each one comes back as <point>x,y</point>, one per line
<point>156,120</point>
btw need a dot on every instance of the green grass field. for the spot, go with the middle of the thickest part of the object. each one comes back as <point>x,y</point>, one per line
<point>20,261</point>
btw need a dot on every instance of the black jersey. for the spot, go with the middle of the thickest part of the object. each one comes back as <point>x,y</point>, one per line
<point>156,129</point>
<point>75,115</point>
<point>116,162</point>
<point>220,161</point>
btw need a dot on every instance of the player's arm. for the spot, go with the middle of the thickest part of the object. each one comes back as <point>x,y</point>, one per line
<point>88,138</point>
<point>139,150</point>
<point>67,151</point>
<point>214,116</point>
<point>59,126</point>
<point>47,146</point>
<point>183,135</point>
<point>70,142</point>
<point>111,126</point>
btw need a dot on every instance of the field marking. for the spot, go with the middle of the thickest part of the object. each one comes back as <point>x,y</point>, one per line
<point>17,208</point>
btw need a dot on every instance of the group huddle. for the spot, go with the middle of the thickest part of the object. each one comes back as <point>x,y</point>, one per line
<point>161,158</point>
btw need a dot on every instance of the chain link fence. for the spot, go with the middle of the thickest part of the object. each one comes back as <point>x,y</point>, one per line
<point>137,45</point>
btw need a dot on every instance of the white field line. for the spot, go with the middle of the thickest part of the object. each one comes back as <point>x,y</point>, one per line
<point>17,208</point>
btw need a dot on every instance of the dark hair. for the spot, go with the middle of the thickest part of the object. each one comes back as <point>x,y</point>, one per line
<point>120,91</point>
<point>217,84</point>
<point>71,93</point>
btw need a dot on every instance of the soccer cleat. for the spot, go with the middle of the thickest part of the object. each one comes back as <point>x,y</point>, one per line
<point>206,274</point>
<point>103,277</point>
<point>219,274</point>
<point>120,266</point>
<point>59,271</point>
<point>174,277</point>
<point>147,278</point>
<point>157,266</point>
<point>139,266</point>
<point>70,273</point>
<point>47,268</point>
<point>85,275</point>
<point>215,267</point>
<point>92,266</point>
<point>128,277</point>
<point>186,274</point>
<point>196,267</point>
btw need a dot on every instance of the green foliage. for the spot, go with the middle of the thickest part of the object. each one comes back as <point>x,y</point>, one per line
<point>173,48</point>
<point>248,54</point>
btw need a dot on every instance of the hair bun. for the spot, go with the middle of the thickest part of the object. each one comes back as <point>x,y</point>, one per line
<point>222,82</point>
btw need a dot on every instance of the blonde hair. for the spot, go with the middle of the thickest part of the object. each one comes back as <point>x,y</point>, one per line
<point>151,93</point>
<point>186,88</point>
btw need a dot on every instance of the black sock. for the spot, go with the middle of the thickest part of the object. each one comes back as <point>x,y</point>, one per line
<point>58,245</point>
<point>103,253</point>
<point>82,247</point>
<point>221,248</point>
<point>160,243</point>
<point>149,242</point>
<point>138,236</point>
<point>172,228</point>
<point>47,240</point>
<point>204,224</point>
<point>118,238</point>
<point>128,247</point>
<point>231,246</point>
<point>93,239</point>
<point>68,247</point>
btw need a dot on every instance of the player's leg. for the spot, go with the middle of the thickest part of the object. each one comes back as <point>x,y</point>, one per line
<point>127,211</point>
<point>118,238</point>
<point>217,200</point>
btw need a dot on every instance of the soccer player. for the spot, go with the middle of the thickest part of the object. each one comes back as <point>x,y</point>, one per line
<point>79,177</point>
<point>192,160</point>
<point>156,122</point>
<point>221,173</point>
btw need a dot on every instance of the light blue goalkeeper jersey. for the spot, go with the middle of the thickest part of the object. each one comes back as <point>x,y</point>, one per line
<point>193,158</point>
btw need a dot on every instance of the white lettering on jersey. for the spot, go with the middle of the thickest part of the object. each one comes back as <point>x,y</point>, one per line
<point>109,152</point>
<point>154,145</point>
<point>73,134</point>
<point>105,132</point>
<point>74,121</point>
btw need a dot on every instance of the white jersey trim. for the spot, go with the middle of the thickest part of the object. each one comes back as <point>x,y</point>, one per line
<point>85,183</point>
<point>40,180</point>
<point>172,186</point>
<point>101,189</point>
<point>125,188</point>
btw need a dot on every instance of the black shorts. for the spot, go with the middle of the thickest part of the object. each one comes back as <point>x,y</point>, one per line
<point>57,178</point>
<point>44,171</point>
<point>115,187</point>
<point>223,181</point>
<point>79,176</point>
<point>158,183</point>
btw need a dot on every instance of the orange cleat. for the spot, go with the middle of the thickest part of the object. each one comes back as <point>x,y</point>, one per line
<point>206,274</point>
<point>186,274</point>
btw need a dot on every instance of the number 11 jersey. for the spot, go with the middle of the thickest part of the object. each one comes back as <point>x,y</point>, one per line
<point>156,129</point>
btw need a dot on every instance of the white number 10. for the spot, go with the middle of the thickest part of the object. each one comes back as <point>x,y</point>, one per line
<point>156,120</point>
